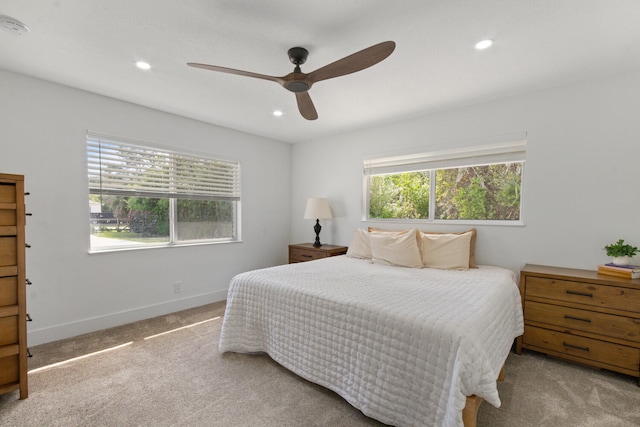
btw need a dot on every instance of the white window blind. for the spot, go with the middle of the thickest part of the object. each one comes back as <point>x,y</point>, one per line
<point>504,152</point>
<point>126,169</point>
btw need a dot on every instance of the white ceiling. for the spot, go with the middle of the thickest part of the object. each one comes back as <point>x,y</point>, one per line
<point>93,45</point>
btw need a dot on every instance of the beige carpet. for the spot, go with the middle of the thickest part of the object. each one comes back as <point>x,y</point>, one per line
<point>167,371</point>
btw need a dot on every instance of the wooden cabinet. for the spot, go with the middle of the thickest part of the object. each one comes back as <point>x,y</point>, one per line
<point>582,316</point>
<point>13,314</point>
<point>302,252</point>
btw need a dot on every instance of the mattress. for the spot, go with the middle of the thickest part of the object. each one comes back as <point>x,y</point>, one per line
<point>405,346</point>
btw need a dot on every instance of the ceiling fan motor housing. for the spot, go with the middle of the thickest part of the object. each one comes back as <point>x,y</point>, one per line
<point>297,56</point>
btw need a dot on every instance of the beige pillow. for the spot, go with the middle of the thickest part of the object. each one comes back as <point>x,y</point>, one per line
<point>418,237</point>
<point>379,230</point>
<point>446,251</point>
<point>359,246</point>
<point>399,249</point>
<point>472,245</point>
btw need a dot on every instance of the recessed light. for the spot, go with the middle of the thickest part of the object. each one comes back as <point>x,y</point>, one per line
<point>484,44</point>
<point>143,65</point>
<point>277,113</point>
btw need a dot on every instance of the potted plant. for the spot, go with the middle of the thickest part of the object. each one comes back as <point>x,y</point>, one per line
<point>621,252</point>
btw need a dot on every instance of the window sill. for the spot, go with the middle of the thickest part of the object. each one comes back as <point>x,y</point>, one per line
<point>111,249</point>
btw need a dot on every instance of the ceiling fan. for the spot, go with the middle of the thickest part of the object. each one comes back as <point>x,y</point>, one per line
<point>300,83</point>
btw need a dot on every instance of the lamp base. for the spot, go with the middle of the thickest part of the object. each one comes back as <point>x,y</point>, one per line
<point>317,229</point>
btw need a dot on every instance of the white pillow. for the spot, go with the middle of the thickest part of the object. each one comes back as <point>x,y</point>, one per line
<point>395,249</point>
<point>359,246</point>
<point>446,251</point>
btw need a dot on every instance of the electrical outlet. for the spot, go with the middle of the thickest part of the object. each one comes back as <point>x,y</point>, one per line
<point>177,287</point>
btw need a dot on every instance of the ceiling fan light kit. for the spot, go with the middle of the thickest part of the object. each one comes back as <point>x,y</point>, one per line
<point>299,83</point>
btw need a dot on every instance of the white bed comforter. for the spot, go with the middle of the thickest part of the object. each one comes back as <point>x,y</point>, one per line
<point>405,346</point>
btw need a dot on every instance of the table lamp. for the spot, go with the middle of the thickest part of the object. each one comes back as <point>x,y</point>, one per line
<point>317,208</point>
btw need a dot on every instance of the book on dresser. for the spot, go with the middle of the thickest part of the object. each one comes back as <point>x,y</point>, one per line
<point>626,271</point>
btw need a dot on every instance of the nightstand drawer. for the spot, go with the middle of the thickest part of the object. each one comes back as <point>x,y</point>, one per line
<point>302,252</point>
<point>576,346</point>
<point>584,293</point>
<point>301,255</point>
<point>609,325</point>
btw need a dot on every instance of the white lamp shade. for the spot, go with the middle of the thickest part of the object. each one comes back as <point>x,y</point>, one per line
<point>317,208</point>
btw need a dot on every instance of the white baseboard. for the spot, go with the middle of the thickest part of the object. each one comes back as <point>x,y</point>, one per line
<point>68,330</point>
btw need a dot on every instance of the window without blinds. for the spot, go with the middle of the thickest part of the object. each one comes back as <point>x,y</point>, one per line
<point>143,196</point>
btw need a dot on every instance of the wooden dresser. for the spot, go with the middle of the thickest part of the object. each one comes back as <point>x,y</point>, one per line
<point>581,316</point>
<point>13,314</point>
<point>302,252</point>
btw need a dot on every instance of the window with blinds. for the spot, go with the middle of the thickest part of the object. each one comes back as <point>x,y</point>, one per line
<point>143,196</point>
<point>472,184</point>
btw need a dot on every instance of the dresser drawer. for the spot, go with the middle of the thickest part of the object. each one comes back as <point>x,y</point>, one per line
<point>7,193</point>
<point>8,291</point>
<point>8,251</point>
<point>9,372</point>
<point>609,325</point>
<point>8,218</point>
<point>8,330</point>
<point>584,293</point>
<point>586,348</point>
<point>301,255</point>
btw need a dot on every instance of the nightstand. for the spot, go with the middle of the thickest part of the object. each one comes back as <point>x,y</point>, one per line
<point>302,252</point>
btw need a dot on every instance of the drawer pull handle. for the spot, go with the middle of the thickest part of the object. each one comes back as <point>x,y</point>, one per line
<point>578,318</point>
<point>577,347</point>
<point>307,256</point>
<point>580,294</point>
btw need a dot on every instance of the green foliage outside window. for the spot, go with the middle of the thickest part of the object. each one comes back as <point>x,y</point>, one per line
<point>404,195</point>
<point>149,217</point>
<point>490,192</point>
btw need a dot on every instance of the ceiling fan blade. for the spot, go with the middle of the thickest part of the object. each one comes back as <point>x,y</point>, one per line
<point>354,62</point>
<point>236,72</point>
<point>305,106</point>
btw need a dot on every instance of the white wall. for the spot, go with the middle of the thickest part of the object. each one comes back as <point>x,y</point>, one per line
<point>43,128</point>
<point>580,192</point>
<point>581,177</point>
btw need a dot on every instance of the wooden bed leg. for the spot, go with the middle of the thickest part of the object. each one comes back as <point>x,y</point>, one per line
<point>470,411</point>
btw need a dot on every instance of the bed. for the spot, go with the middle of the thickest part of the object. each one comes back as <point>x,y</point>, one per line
<point>406,346</point>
